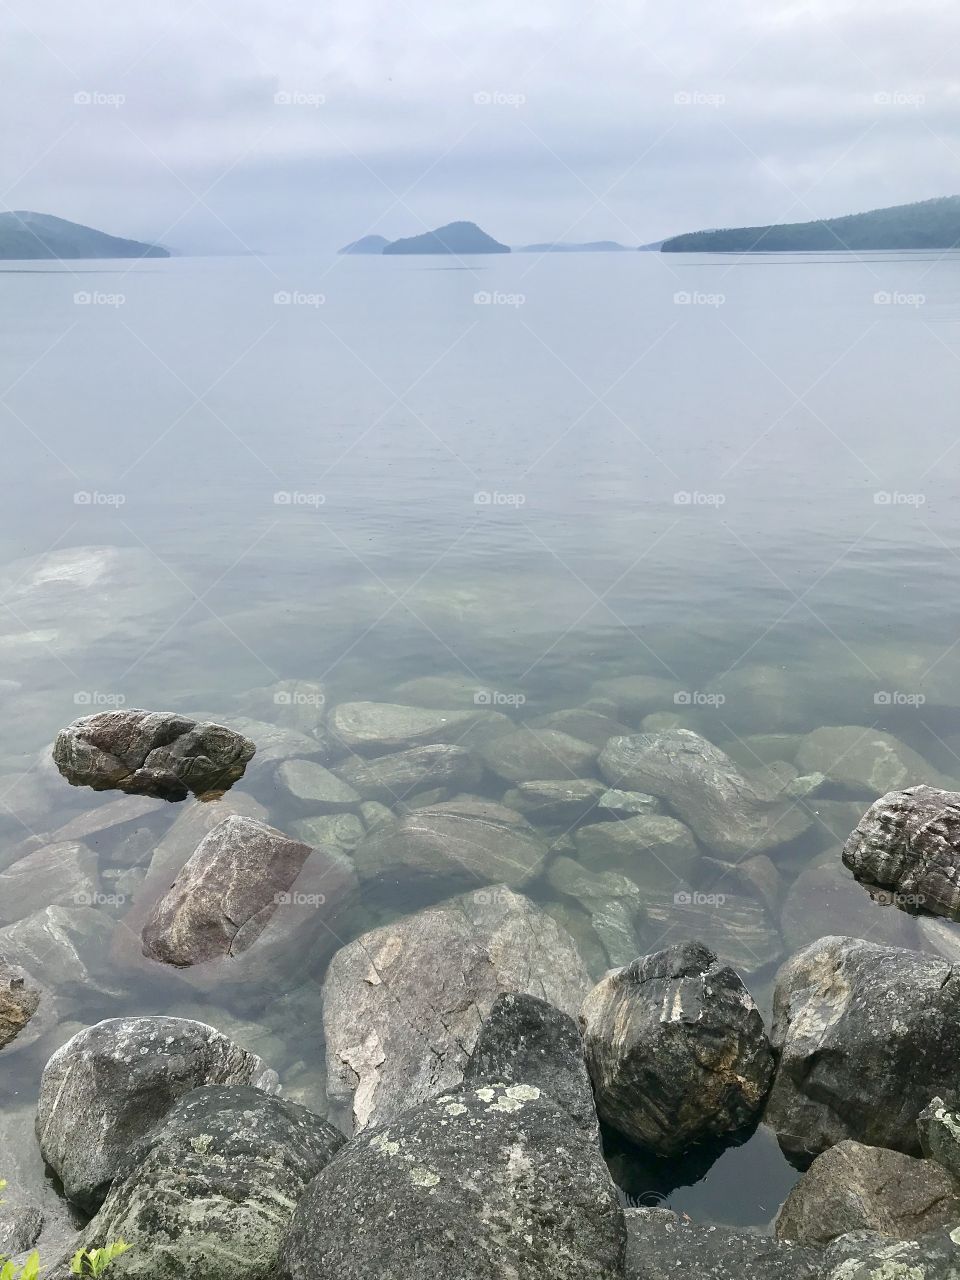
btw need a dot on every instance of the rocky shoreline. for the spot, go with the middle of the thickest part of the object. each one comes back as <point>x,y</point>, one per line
<point>497,944</point>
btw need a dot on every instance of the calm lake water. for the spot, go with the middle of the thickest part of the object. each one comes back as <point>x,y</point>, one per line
<point>531,474</point>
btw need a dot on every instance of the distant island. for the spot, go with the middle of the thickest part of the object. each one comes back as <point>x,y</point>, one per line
<point>24,234</point>
<point>592,246</point>
<point>366,244</point>
<point>928,224</point>
<point>455,237</point>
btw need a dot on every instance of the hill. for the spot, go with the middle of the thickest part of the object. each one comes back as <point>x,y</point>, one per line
<point>929,224</point>
<point>592,246</point>
<point>455,237</point>
<point>366,244</point>
<point>24,234</point>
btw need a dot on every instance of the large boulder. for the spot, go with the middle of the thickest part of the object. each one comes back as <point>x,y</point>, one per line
<point>663,1246</point>
<point>210,1191</point>
<point>865,1036</point>
<point>403,1005</point>
<point>852,1187</point>
<point>374,728</point>
<point>908,842</point>
<point>396,777</point>
<point>152,753</point>
<point>728,812</point>
<point>464,839</point>
<point>864,761</point>
<point>224,897</point>
<point>486,1181</point>
<point>111,1083</point>
<point>736,927</point>
<point>676,1049</point>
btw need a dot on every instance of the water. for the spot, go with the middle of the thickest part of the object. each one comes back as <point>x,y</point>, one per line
<point>529,473</point>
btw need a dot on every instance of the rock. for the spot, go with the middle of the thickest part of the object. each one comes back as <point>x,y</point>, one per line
<point>676,1049</point>
<point>489,1182</point>
<point>374,728</point>
<point>737,928</point>
<point>393,778</point>
<point>110,1084</point>
<point>583,724</point>
<point>466,840</point>
<point>627,804</point>
<point>341,832</point>
<point>863,760</point>
<point>224,897</point>
<point>376,815</point>
<point>824,899</point>
<point>19,1001</point>
<point>314,789</point>
<point>217,1180</point>
<point>637,695</point>
<point>728,812</point>
<point>63,874</point>
<point>756,749</point>
<point>848,1012</point>
<point>441,691</point>
<point>863,1255</point>
<point>65,948</point>
<point>20,1227</point>
<point>613,903</point>
<point>939,1131</point>
<point>527,1041</point>
<point>756,877</point>
<point>652,849</point>
<point>852,1187</point>
<point>555,802</point>
<point>105,817</point>
<point>30,1187</point>
<point>528,755</point>
<point>292,704</point>
<point>661,1246</point>
<point>151,753</point>
<point>575,921</point>
<point>807,784</point>
<point>403,1005</point>
<point>278,742</point>
<point>908,842</point>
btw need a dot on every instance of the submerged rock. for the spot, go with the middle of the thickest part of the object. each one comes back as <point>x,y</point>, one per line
<point>852,1187</point>
<point>151,753</point>
<point>111,1083</point>
<point>848,1012</point>
<point>314,789</point>
<point>374,728</point>
<point>19,1001</point>
<point>65,948</point>
<point>909,843</point>
<point>864,760</point>
<point>529,755</point>
<point>676,1049</point>
<point>824,899</point>
<point>394,778</point>
<point>730,813</point>
<point>210,1191</point>
<point>613,903</point>
<point>403,1005</point>
<point>225,895</point>
<point>582,723</point>
<point>560,801</point>
<point>489,1181</point>
<point>737,928</point>
<point>62,874</point>
<point>651,848</point>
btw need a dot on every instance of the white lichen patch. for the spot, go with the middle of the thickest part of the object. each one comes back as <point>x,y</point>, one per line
<point>523,1092</point>
<point>486,1094</point>
<point>421,1176</point>
<point>383,1143</point>
<point>201,1144</point>
<point>455,1109</point>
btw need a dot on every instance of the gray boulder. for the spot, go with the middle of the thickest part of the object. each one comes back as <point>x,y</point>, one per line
<point>394,778</point>
<point>338,832</point>
<point>864,760</point>
<point>864,1255</point>
<point>939,1131</point>
<point>728,812</point>
<point>154,753</point>
<point>662,1246</point>
<point>110,1084</point>
<point>626,804</point>
<point>486,1182</point>
<point>676,1049</point>
<point>62,874</point>
<point>210,1191</point>
<point>528,755</point>
<point>403,1005</point>
<point>65,948</point>
<point>865,1036</point>
<point>736,927</point>
<point>613,902</point>
<point>908,842</point>
<point>374,728</point>
<point>224,897</point>
<point>19,1001</point>
<point>852,1187</point>
<point>649,847</point>
<point>556,801</point>
<point>20,1227</point>
<point>582,723</point>
<point>314,789</point>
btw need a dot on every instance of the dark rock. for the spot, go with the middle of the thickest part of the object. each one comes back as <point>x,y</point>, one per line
<point>939,1131</point>
<point>403,1005</point>
<point>110,1084</point>
<point>20,1227</point>
<point>488,1182</point>
<point>224,897</point>
<point>852,1187</point>
<point>19,1001</point>
<point>395,777</point>
<point>661,1246</point>
<point>865,1035</point>
<point>676,1049</point>
<point>151,753</point>
<point>210,1191</point>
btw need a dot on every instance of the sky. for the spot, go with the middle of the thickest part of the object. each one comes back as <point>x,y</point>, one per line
<point>293,126</point>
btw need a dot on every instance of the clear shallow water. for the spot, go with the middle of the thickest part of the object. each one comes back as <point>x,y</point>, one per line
<point>750,491</point>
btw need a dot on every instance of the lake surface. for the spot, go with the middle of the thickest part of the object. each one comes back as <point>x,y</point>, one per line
<point>530,474</point>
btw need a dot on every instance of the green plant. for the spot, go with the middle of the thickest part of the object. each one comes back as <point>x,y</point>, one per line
<point>94,1262</point>
<point>29,1271</point>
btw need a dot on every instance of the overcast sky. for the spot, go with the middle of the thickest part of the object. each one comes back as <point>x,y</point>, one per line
<point>293,124</point>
